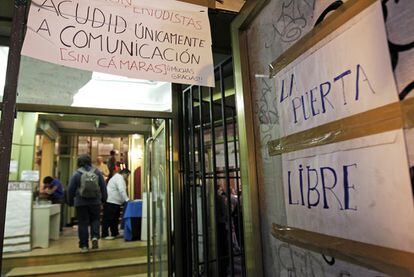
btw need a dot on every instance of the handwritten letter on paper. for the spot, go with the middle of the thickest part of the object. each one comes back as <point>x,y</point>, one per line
<point>347,189</point>
<point>155,40</point>
<point>345,74</point>
<point>350,188</point>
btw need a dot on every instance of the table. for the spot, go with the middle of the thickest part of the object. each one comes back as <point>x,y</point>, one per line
<point>132,219</point>
<point>46,224</point>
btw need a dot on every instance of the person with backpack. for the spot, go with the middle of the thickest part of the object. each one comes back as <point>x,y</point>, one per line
<point>87,192</point>
<point>117,196</point>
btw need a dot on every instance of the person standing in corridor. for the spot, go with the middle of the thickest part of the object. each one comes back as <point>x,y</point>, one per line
<point>102,167</point>
<point>117,196</point>
<point>111,164</point>
<point>87,192</point>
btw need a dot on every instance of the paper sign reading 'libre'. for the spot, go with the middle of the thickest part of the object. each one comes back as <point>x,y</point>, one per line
<point>153,40</point>
<point>350,188</point>
<point>357,189</point>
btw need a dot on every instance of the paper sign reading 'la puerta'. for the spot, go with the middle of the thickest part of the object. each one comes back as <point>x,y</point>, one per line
<point>357,189</point>
<point>346,73</point>
<point>160,40</point>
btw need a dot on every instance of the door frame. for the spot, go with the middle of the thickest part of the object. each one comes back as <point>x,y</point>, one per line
<point>151,209</point>
<point>172,159</point>
<point>245,122</point>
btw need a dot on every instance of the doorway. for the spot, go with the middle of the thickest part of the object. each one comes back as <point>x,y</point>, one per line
<point>48,144</point>
<point>158,202</point>
<point>211,178</point>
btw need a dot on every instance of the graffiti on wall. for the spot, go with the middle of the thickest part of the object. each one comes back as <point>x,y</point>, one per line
<point>299,262</point>
<point>397,48</point>
<point>290,24</point>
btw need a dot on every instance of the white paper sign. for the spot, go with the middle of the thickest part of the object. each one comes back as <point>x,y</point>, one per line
<point>14,165</point>
<point>161,40</point>
<point>346,73</point>
<point>358,189</point>
<point>19,209</point>
<point>30,175</point>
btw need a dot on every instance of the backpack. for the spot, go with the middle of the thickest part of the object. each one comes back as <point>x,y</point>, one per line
<point>89,184</point>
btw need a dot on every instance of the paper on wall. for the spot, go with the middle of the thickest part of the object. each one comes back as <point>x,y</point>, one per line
<point>30,175</point>
<point>348,72</point>
<point>18,210</point>
<point>347,189</point>
<point>13,166</point>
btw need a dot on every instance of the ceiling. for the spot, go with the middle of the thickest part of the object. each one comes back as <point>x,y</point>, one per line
<point>91,125</point>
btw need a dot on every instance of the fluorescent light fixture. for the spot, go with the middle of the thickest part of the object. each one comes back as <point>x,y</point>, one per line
<point>116,92</point>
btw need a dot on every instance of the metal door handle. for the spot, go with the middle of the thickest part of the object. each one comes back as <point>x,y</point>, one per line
<point>148,148</point>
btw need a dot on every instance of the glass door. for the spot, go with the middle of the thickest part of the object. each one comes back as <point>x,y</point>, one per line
<point>158,184</point>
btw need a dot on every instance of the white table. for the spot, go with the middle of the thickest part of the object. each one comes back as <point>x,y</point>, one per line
<point>46,224</point>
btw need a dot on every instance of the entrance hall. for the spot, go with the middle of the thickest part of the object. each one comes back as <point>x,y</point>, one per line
<point>47,145</point>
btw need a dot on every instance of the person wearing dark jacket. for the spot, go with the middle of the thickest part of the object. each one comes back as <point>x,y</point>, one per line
<point>111,164</point>
<point>87,208</point>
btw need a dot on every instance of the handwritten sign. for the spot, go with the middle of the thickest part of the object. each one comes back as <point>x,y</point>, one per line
<point>353,189</point>
<point>348,189</point>
<point>155,40</point>
<point>346,73</point>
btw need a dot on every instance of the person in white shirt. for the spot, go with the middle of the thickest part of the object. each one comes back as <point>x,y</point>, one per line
<point>117,196</point>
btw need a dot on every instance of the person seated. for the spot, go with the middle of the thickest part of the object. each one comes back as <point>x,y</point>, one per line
<point>54,189</point>
<point>117,196</point>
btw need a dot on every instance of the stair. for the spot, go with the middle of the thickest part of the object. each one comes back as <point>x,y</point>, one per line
<point>123,260</point>
<point>112,267</point>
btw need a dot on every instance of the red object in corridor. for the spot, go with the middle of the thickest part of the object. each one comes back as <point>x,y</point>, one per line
<point>137,183</point>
